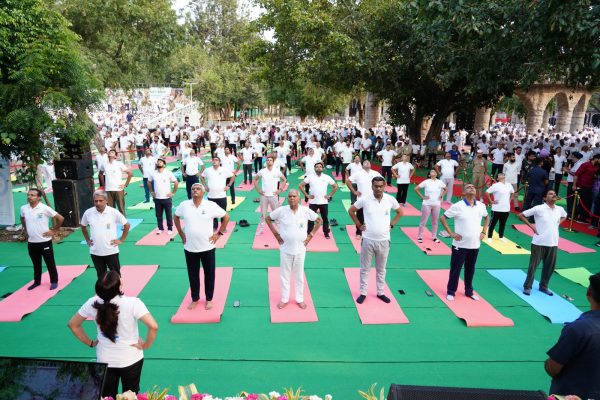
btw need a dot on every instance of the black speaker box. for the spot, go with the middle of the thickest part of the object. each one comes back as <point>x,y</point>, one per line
<point>76,151</point>
<point>73,169</point>
<point>72,198</point>
<point>407,392</point>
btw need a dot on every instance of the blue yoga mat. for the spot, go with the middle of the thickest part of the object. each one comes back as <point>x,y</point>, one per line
<point>133,222</point>
<point>2,268</point>
<point>555,308</point>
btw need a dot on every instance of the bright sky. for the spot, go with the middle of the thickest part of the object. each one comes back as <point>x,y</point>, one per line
<point>249,4</point>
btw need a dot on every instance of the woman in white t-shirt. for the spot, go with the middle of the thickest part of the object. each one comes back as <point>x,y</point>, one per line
<point>503,193</point>
<point>435,190</point>
<point>118,343</point>
<point>403,171</point>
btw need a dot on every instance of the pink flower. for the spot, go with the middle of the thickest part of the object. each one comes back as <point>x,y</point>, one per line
<point>170,397</point>
<point>197,396</point>
<point>282,398</point>
<point>252,396</point>
<point>107,398</point>
<point>142,396</point>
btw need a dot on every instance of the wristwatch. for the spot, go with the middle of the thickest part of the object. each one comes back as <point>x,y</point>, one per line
<point>220,233</point>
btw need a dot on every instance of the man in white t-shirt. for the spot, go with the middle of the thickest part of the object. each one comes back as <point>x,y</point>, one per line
<point>387,159</point>
<point>34,218</point>
<point>503,192</point>
<point>559,160</point>
<point>350,170</point>
<point>360,184</point>
<point>498,155</point>
<point>345,153</point>
<point>259,149</point>
<point>511,172</point>
<point>157,148</point>
<point>446,169</point>
<point>307,163</point>
<point>270,177</point>
<point>159,184</point>
<point>376,207</point>
<point>232,163</point>
<point>467,237</point>
<point>318,196</point>
<point>191,169</point>
<point>290,232</point>
<point>199,241</point>
<point>216,181</point>
<point>247,156</point>
<point>102,236</point>
<point>544,244</point>
<point>113,172</point>
<point>147,164</point>
<point>403,172</point>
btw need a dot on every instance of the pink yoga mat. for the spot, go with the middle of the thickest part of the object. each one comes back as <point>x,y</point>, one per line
<point>319,244</point>
<point>23,301</point>
<point>428,246</point>
<point>391,189</point>
<point>474,313</point>
<point>410,211</point>
<point>225,238</point>
<point>266,241</point>
<point>291,313</point>
<point>135,277</point>
<point>351,231</point>
<point>154,239</point>
<point>245,187</point>
<point>563,244</point>
<point>199,315</point>
<point>281,200</point>
<point>372,310</point>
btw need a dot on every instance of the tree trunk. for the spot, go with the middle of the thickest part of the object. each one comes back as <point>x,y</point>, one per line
<point>436,125</point>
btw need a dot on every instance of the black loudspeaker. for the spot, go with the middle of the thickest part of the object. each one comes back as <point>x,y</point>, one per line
<point>72,198</point>
<point>76,151</point>
<point>73,169</point>
<point>407,392</point>
<point>465,120</point>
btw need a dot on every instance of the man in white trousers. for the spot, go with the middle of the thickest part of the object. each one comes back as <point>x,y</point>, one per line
<point>290,232</point>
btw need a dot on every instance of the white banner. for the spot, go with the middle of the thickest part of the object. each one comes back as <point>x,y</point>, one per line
<point>158,93</point>
<point>7,208</point>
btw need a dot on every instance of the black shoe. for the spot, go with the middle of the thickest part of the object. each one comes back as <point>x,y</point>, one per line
<point>53,285</point>
<point>527,292</point>
<point>361,298</point>
<point>327,236</point>
<point>383,298</point>
<point>517,209</point>
<point>33,286</point>
<point>597,244</point>
<point>546,291</point>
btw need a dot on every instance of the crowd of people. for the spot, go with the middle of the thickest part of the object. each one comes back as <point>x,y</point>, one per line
<point>535,164</point>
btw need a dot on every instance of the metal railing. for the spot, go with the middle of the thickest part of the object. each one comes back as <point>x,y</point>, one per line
<point>177,116</point>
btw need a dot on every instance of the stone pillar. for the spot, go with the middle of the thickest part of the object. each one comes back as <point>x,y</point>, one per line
<point>545,119</point>
<point>578,117</point>
<point>563,119</point>
<point>372,111</point>
<point>535,101</point>
<point>482,119</point>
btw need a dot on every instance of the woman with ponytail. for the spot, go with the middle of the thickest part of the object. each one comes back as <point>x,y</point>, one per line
<point>118,343</point>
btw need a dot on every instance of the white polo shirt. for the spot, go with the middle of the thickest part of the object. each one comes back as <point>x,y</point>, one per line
<point>269,180</point>
<point>120,354</point>
<point>318,187</point>
<point>387,156</point>
<point>292,227</point>
<point>447,168</point>
<point>113,175</point>
<point>547,220</point>
<point>433,190</point>
<point>258,148</point>
<point>403,170</point>
<point>198,226</point>
<point>228,161</point>
<point>498,156</point>
<point>467,223</point>
<point>377,215</point>
<point>216,180</point>
<point>511,172</point>
<point>192,165</point>
<point>282,152</point>
<point>363,180</point>
<point>346,153</point>
<point>162,183</point>
<point>36,221</point>
<point>103,229</point>
<point>158,149</point>
<point>247,155</point>
<point>309,163</point>
<point>148,165</point>
<point>501,192</point>
<point>353,168</point>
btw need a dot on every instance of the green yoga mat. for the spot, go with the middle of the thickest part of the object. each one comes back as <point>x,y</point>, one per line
<point>578,275</point>
<point>142,206</point>
<point>346,203</point>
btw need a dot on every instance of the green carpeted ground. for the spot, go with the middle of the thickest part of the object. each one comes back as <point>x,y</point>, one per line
<point>336,355</point>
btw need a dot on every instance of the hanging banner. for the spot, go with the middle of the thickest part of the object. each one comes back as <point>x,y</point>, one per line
<point>7,207</point>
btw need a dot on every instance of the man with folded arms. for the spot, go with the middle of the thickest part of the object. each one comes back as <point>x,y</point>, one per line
<point>544,244</point>
<point>376,206</point>
<point>291,235</point>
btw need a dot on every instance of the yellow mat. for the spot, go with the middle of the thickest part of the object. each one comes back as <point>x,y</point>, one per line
<point>507,247</point>
<point>238,200</point>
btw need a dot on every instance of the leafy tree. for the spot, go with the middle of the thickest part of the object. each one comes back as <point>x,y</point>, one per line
<point>46,85</point>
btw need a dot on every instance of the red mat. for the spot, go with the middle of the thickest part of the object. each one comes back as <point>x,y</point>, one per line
<point>281,200</point>
<point>563,244</point>
<point>318,244</point>
<point>23,301</point>
<point>428,246</point>
<point>199,315</point>
<point>351,231</point>
<point>583,228</point>
<point>291,313</point>
<point>225,238</point>
<point>474,313</point>
<point>372,310</point>
<point>153,239</point>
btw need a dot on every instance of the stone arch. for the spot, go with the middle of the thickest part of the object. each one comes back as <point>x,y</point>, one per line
<point>578,117</point>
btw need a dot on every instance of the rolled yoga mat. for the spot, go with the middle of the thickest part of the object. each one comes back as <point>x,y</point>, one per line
<point>474,313</point>
<point>290,313</point>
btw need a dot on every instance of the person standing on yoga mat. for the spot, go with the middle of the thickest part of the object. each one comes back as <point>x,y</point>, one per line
<point>363,179</point>
<point>291,235</point>
<point>113,176</point>
<point>544,244</point>
<point>318,199</point>
<point>435,190</point>
<point>269,189</point>
<point>573,361</point>
<point>375,206</point>
<point>118,342</point>
<point>403,172</point>
<point>102,238</point>
<point>159,184</point>
<point>34,218</point>
<point>216,183</point>
<point>503,193</point>
<point>199,241</point>
<point>467,238</point>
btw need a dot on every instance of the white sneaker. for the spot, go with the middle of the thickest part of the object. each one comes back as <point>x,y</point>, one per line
<point>489,240</point>
<point>261,229</point>
<point>503,239</point>
<point>474,297</point>
<point>170,232</point>
<point>450,297</point>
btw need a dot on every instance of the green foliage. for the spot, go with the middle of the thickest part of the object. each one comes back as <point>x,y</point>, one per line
<point>46,85</point>
<point>129,42</point>
<point>371,395</point>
